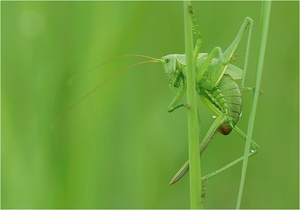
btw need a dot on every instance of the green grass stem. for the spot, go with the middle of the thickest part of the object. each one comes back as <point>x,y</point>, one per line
<point>194,155</point>
<point>263,31</point>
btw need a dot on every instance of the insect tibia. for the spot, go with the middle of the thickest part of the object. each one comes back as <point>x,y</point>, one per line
<point>172,109</point>
<point>177,82</point>
<point>250,89</point>
<point>246,89</point>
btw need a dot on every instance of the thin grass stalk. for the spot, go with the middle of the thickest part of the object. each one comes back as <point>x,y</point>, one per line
<point>263,32</point>
<point>194,155</point>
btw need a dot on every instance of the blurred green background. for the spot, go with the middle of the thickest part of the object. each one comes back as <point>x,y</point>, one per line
<point>119,147</point>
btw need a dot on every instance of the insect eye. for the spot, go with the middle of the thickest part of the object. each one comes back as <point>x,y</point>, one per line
<point>167,60</point>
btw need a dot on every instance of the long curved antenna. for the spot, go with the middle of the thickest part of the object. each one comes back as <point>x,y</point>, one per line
<point>98,86</point>
<point>138,55</point>
<point>90,70</point>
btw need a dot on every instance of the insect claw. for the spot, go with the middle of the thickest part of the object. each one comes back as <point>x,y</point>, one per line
<point>233,58</point>
<point>191,9</point>
<point>186,105</point>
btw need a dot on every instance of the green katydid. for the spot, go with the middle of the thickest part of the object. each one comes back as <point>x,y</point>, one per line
<point>217,89</point>
<point>215,85</point>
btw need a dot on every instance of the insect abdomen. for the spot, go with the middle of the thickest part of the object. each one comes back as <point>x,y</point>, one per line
<point>224,99</point>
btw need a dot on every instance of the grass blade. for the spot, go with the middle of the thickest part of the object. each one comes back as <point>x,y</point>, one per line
<point>264,24</point>
<point>194,155</point>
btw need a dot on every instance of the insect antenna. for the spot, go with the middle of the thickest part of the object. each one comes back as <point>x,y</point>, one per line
<point>64,113</point>
<point>92,69</point>
<point>138,55</point>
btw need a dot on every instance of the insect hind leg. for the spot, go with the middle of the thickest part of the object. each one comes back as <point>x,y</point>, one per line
<point>253,150</point>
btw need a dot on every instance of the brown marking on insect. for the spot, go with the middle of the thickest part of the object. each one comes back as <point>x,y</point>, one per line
<point>225,129</point>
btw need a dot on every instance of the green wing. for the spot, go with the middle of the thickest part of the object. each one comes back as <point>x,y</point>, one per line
<point>234,71</point>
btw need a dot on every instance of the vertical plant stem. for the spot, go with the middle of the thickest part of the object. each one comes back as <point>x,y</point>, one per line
<point>263,32</point>
<point>194,155</point>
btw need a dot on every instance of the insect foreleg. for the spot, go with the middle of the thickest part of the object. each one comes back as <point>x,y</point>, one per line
<point>175,102</point>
